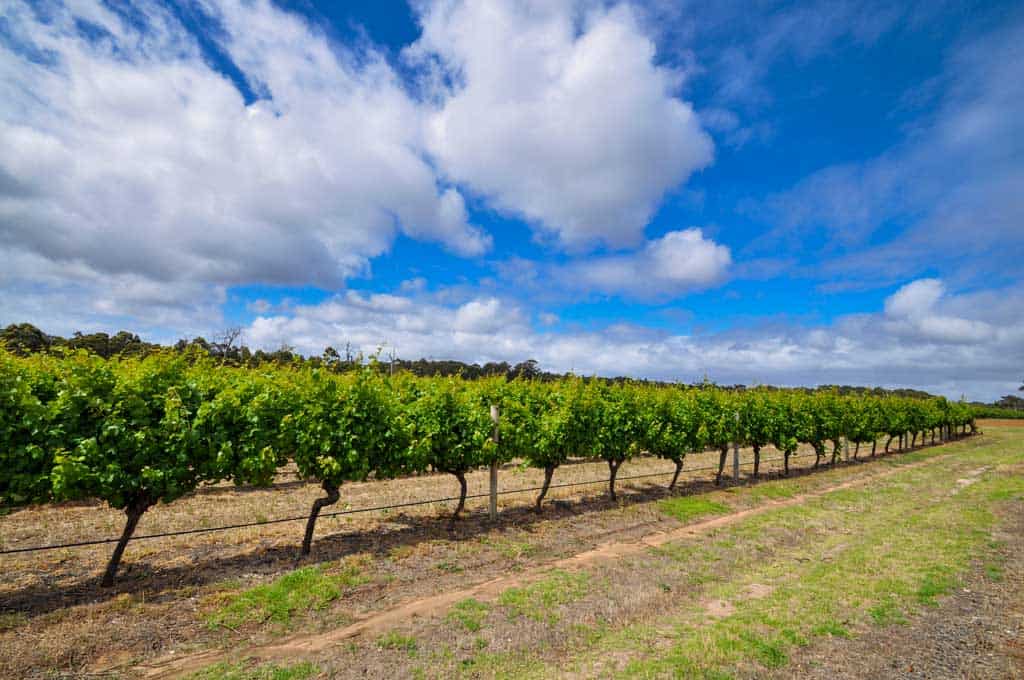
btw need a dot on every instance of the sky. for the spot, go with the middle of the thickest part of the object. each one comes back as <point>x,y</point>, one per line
<point>788,193</point>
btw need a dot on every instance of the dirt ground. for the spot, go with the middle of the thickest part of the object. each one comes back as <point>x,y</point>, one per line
<point>55,620</point>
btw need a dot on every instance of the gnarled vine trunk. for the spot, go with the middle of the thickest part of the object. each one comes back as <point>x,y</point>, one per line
<point>330,499</point>
<point>461,476</point>
<point>723,452</point>
<point>675,477</point>
<point>548,471</point>
<point>134,512</point>
<point>785,462</point>
<point>757,460</point>
<point>874,444</point>
<point>613,471</point>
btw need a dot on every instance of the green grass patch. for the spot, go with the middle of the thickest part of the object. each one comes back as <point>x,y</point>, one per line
<point>688,508</point>
<point>773,491</point>
<point>509,549</point>
<point>469,614</point>
<point>887,612</point>
<point>226,671</point>
<point>938,581</point>
<point>295,593</point>
<point>993,572</point>
<point>537,600</point>
<point>395,640</point>
<point>831,628</point>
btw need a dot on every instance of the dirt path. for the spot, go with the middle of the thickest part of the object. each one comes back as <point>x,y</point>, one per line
<point>976,633</point>
<point>171,666</point>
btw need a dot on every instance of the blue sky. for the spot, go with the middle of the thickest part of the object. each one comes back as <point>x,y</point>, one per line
<point>759,192</point>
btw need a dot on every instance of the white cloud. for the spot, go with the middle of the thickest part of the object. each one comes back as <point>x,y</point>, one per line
<point>558,113</point>
<point>915,299</point>
<point>912,312</point>
<point>677,262</point>
<point>884,349</point>
<point>129,154</point>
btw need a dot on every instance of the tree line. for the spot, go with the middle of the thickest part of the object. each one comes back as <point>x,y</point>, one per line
<point>24,339</point>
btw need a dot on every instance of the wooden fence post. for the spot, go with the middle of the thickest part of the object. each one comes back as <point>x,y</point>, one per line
<point>736,452</point>
<point>494,467</point>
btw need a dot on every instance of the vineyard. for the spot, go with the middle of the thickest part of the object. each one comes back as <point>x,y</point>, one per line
<point>137,432</point>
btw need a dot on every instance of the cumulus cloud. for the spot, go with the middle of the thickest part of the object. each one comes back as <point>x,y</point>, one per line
<point>122,149</point>
<point>888,348</point>
<point>915,299</point>
<point>677,262</point>
<point>556,111</point>
<point>912,311</point>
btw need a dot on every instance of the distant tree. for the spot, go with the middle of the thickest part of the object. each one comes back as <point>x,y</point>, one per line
<point>526,370</point>
<point>1011,401</point>
<point>227,343</point>
<point>23,338</point>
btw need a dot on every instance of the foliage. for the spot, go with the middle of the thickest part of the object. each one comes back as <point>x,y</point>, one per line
<point>138,430</point>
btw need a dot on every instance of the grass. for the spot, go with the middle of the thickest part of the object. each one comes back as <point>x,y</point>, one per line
<point>773,491</point>
<point>224,671</point>
<point>395,640</point>
<point>689,508</point>
<point>537,600</point>
<point>510,549</point>
<point>839,564</point>
<point>469,614</point>
<point>300,591</point>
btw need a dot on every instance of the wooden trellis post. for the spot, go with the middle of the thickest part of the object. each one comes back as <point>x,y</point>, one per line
<point>494,466</point>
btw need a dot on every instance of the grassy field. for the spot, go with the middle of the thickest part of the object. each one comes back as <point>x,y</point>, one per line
<point>746,581</point>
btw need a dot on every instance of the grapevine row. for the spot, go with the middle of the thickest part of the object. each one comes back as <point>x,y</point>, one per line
<point>137,432</point>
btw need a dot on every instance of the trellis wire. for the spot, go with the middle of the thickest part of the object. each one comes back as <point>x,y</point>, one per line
<point>337,513</point>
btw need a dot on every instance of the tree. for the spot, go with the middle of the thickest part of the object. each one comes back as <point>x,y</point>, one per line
<point>24,338</point>
<point>132,444</point>
<point>754,424</point>
<point>452,432</point>
<point>564,427</point>
<point>716,414</point>
<point>345,429</point>
<point>667,427</point>
<point>618,428</point>
<point>27,388</point>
